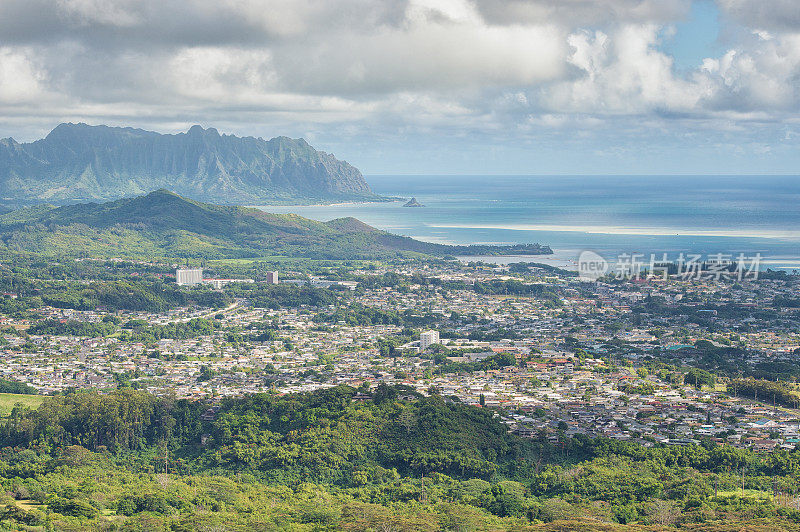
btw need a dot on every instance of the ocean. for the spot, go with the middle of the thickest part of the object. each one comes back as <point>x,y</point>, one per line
<point>614,216</point>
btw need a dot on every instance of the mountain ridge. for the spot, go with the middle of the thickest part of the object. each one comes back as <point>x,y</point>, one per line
<point>165,224</point>
<point>81,162</point>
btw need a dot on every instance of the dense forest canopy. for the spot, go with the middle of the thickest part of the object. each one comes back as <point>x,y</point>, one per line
<point>337,461</point>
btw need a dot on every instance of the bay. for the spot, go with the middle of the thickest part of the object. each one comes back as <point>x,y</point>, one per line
<point>611,215</point>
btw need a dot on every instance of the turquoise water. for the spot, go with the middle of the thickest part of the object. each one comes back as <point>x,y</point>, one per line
<point>609,215</point>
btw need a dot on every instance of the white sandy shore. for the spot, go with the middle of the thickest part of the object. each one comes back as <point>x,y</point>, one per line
<point>787,234</point>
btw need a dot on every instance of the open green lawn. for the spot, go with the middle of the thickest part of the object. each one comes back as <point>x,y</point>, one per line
<point>755,494</point>
<point>8,400</point>
<point>28,504</point>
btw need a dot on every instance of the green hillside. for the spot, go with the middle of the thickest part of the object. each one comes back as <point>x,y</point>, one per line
<point>348,459</point>
<point>165,224</point>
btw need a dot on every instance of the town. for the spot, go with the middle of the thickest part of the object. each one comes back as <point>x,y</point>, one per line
<point>653,360</point>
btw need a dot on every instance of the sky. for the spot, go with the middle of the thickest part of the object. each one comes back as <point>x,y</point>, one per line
<point>426,86</point>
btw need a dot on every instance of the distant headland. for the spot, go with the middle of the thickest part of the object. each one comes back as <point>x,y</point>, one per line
<point>78,162</point>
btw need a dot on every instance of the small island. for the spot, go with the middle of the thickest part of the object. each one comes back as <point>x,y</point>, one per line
<point>413,203</point>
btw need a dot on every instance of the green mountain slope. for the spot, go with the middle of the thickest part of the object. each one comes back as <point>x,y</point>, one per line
<point>78,162</point>
<point>165,224</point>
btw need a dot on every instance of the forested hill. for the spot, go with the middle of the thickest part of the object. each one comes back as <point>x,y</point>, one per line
<point>359,460</point>
<point>78,162</point>
<point>165,224</point>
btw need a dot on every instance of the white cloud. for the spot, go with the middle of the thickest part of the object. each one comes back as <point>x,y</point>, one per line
<point>424,55</point>
<point>20,80</point>
<point>759,78</point>
<point>215,74</point>
<point>392,67</point>
<point>624,73</point>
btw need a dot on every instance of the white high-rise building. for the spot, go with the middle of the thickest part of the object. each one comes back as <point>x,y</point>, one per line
<point>272,277</point>
<point>188,276</point>
<point>427,339</point>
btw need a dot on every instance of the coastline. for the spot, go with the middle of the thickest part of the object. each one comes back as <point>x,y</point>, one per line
<point>384,199</point>
<point>574,213</point>
<point>787,234</point>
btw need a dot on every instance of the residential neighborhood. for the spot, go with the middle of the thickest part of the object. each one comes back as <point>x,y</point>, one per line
<point>553,355</point>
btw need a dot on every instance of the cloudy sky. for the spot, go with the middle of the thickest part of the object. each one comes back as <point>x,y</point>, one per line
<point>426,86</point>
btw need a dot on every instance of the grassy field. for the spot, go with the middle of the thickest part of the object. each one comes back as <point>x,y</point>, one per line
<point>8,400</point>
<point>754,494</point>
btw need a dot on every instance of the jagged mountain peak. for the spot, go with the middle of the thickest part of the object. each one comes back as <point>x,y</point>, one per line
<point>197,130</point>
<point>80,162</point>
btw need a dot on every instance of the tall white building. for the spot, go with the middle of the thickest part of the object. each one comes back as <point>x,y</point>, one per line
<point>188,276</point>
<point>427,339</point>
<point>272,277</point>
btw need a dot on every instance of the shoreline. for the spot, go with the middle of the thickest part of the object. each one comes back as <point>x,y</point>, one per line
<point>777,234</point>
<point>387,199</point>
